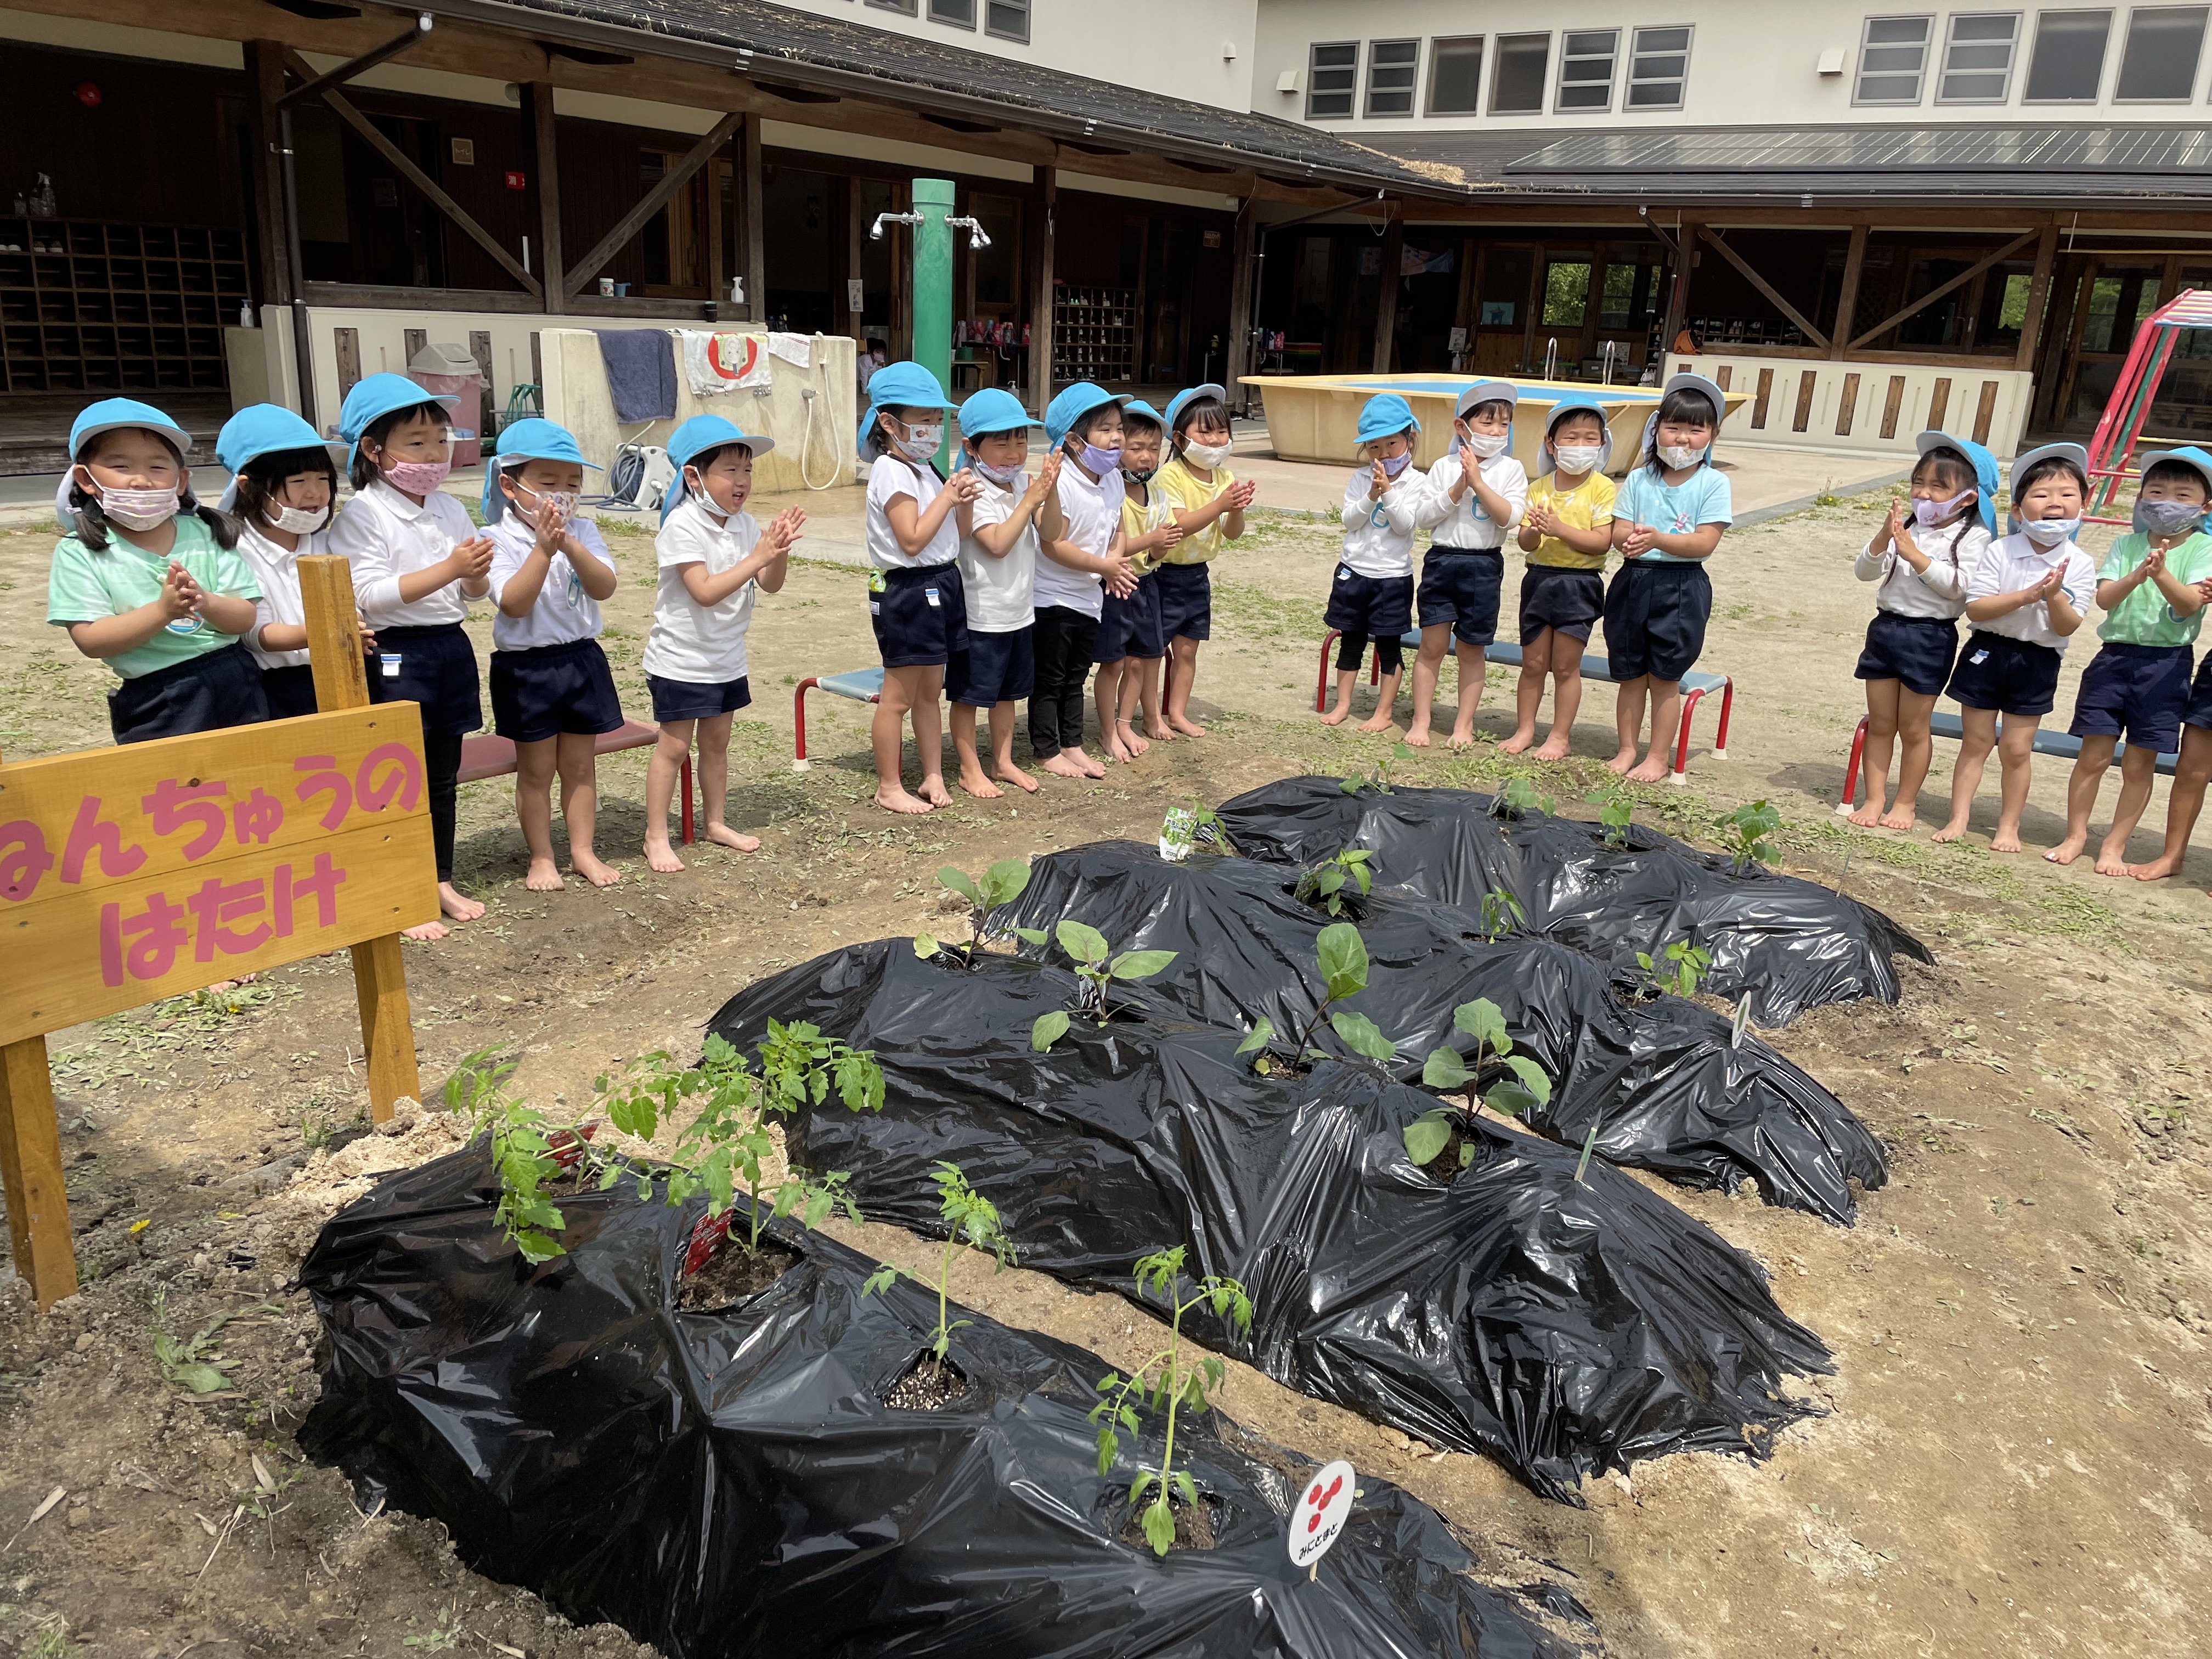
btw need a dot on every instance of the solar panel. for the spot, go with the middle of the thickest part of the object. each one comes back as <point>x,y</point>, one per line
<point>2072,150</point>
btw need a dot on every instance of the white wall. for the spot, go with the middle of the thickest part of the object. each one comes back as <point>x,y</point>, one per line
<point>1752,62</point>
<point>1868,388</point>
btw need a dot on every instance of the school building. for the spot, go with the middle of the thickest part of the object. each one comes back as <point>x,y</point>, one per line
<point>1869,221</point>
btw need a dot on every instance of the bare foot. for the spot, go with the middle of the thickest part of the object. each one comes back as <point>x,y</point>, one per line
<point>1188,726</point>
<point>1379,720</point>
<point>1091,768</point>
<point>423,933</point>
<point>2065,852</point>
<point>543,878</point>
<point>1338,716</point>
<point>661,857</point>
<point>1518,743</point>
<point>1014,775</point>
<point>979,786</point>
<point>1462,738</point>
<point>1117,750</point>
<point>457,905</point>
<point>1868,815</point>
<point>935,792</point>
<point>1951,831</point>
<point>1653,771</point>
<point>1418,736</point>
<point>722,835</point>
<point>592,869</point>
<point>2005,840</point>
<point>2157,869</point>
<point>1061,766</point>
<point>2111,863</point>
<point>1159,731</point>
<point>1621,761</point>
<point>898,800</point>
<point>1555,747</point>
<point>1900,817</point>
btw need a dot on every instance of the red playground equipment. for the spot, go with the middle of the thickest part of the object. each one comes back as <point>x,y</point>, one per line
<point>2113,449</point>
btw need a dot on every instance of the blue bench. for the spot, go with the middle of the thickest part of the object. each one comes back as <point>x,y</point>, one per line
<point>2064,745</point>
<point>1696,687</point>
<point>861,685</point>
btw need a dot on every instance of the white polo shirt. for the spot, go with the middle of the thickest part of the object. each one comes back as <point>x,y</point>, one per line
<point>1378,535</point>
<point>887,479</point>
<point>1463,524</point>
<point>278,573</point>
<point>2015,563</point>
<point>696,644</point>
<point>1093,509</point>
<point>998,585</point>
<point>1940,591</point>
<point>563,613</point>
<point>384,536</point>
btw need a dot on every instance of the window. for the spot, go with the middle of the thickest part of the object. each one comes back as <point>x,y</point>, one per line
<point>1456,77</point>
<point>1516,85</point>
<point>1977,58</point>
<point>2159,64</point>
<point>1392,66</point>
<point>1586,61</point>
<point>2069,62</point>
<point>961,14</point>
<point>1658,68</point>
<point>906,6</point>
<point>1566,294</point>
<point>1331,73</point>
<point>1007,19</point>
<point>1892,57</point>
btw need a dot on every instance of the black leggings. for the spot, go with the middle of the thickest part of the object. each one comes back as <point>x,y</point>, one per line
<point>1064,641</point>
<point>441,767</point>
<point>1351,650</point>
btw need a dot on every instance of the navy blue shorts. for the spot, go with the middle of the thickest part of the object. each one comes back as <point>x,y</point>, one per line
<point>1655,620</point>
<point>2198,711</point>
<point>2139,689</point>
<point>1565,601</point>
<point>1001,667</point>
<point>290,692</point>
<point>921,616</point>
<point>1130,627</point>
<point>437,668</point>
<point>1461,586</point>
<point>1381,607</point>
<point>205,693</point>
<point>1916,652</point>
<point>1186,593</point>
<point>2013,677</point>
<point>686,700</point>
<point>549,689</point>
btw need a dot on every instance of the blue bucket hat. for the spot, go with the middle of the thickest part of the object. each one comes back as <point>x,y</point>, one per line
<point>1985,471</point>
<point>1488,391</point>
<point>1144,411</point>
<point>1573,403</point>
<point>2191,457</point>
<point>261,429</point>
<point>1191,394</point>
<point>1383,415</point>
<point>897,385</point>
<point>1687,382</point>
<point>378,396</point>
<point>113,415</point>
<point>1074,403</point>
<point>695,438</point>
<point>993,409</point>
<point>533,440</point>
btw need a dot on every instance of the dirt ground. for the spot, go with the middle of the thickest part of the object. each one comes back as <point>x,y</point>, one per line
<point>2014,1461</point>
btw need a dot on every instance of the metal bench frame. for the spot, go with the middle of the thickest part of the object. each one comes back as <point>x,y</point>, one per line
<point>488,755</point>
<point>2062,745</point>
<point>860,684</point>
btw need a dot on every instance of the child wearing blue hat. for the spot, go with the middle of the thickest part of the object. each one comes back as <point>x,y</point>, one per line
<point>2025,599</point>
<point>552,692</point>
<point>998,567</point>
<point>147,580</point>
<point>1372,593</point>
<point>2138,684</point>
<point>282,491</point>
<point>1567,531</point>
<point>1080,533</point>
<point>1208,502</point>
<point>1914,636</point>
<point>1131,643</point>
<point>714,558</point>
<point>417,561</point>
<point>1473,497</point>
<point>1668,517</point>
<point>916,601</point>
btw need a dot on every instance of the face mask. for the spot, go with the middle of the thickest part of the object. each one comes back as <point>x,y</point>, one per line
<point>2049,532</point>
<point>1579,457</point>
<point>561,500</point>
<point>139,509</point>
<point>1099,462</point>
<point>416,477</point>
<point>2167,518</point>
<point>1208,456</point>
<point>1396,465</point>
<point>1004,477</point>
<point>1679,455</point>
<point>297,520</point>
<point>1135,475</point>
<point>1485,444</point>
<point>1934,512</point>
<point>922,442</point>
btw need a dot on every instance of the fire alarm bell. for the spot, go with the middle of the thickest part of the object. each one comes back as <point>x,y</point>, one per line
<point>515,180</point>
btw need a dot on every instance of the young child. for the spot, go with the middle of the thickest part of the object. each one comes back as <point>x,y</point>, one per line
<point>417,561</point>
<point>1567,531</point>
<point>998,564</point>
<point>1080,533</point>
<point>283,489</point>
<point>1473,498</point>
<point>915,597</point>
<point>1914,636</point>
<point>1130,643</point>
<point>1372,592</point>
<point>552,692</point>
<point>2024,600</point>
<point>713,560</point>
<point>2138,682</point>
<point>145,578</point>
<point>1668,517</point>
<point>1208,503</point>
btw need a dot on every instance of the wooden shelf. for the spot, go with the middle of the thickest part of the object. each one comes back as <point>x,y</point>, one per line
<point>88,306</point>
<point>1094,334</point>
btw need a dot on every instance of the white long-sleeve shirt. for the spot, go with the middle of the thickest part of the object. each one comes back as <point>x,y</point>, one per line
<point>280,601</point>
<point>2015,563</point>
<point>1378,535</point>
<point>1940,591</point>
<point>1463,524</point>
<point>384,535</point>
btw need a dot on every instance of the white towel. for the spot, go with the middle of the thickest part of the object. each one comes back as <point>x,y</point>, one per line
<point>796,349</point>
<point>715,361</point>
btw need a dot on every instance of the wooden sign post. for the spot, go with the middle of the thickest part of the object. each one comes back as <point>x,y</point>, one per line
<point>131,874</point>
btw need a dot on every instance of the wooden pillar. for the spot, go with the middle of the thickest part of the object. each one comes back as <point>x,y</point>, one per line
<point>717,259</point>
<point>1045,204</point>
<point>265,63</point>
<point>1678,298</point>
<point>1463,311</point>
<point>1533,313</point>
<point>2039,298</point>
<point>31,1173</point>
<point>1593,304</point>
<point>1847,299</point>
<point>545,191</point>
<point>1242,302</point>
<point>1386,310</point>
<point>854,231</point>
<point>752,243</point>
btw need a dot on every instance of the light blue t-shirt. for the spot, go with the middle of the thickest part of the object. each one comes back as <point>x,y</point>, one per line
<point>1674,509</point>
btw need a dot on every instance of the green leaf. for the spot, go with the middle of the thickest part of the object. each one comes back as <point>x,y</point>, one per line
<point>1109,1445</point>
<point>1048,1029</point>
<point>925,946</point>
<point>1361,1035</point>
<point>880,1281</point>
<point>958,882</point>
<point>200,1379</point>
<point>1140,964</point>
<point>1483,1020</point>
<point>1532,1076</point>
<point>1159,1524</point>
<point>1005,881</point>
<point>1343,958</point>
<point>1444,1069</point>
<point>1428,1134</point>
<point>1263,1033</point>
<point>1032,935</point>
<point>1085,944</point>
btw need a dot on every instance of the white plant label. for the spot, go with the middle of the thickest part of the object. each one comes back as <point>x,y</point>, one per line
<point>1319,1514</point>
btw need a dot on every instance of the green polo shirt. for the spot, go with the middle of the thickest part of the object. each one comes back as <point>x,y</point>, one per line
<point>2143,618</point>
<point>85,586</point>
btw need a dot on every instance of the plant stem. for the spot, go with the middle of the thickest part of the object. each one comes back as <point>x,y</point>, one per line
<point>1174,1395</point>
<point>943,1272</point>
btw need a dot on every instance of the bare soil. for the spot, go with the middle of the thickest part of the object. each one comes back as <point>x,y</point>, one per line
<point>928,1385</point>
<point>733,1273</point>
<point>2011,1460</point>
<point>1194,1524</point>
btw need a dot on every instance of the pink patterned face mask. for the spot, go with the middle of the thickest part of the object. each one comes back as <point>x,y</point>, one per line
<point>416,477</point>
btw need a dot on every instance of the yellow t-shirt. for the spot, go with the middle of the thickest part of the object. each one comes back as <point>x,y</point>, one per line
<point>1142,519</point>
<point>1585,506</point>
<point>1185,493</point>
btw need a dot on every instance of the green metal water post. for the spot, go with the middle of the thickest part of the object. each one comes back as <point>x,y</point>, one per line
<point>932,200</point>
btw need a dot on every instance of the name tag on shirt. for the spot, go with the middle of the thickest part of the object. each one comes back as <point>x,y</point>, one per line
<point>930,593</point>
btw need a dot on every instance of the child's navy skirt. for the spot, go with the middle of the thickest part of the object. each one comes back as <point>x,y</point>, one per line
<point>1001,667</point>
<point>549,689</point>
<point>1381,607</point>
<point>1131,627</point>
<point>1916,652</point>
<point>436,667</point>
<point>2142,690</point>
<point>1461,586</point>
<point>291,691</point>
<point>1655,620</point>
<point>1186,596</point>
<point>2013,677</point>
<point>205,693</point>
<point>1561,598</point>
<point>920,616</point>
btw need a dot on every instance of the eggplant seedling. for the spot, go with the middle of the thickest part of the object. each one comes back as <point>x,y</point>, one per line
<point>1501,914</point>
<point>1174,1386</point>
<point>1088,952</point>
<point>1377,776</point>
<point>1322,885</point>
<point>1002,883</point>
<point>1616,812</point>
<point>1518,799</point>
<point>1744,832</point>
<point>971,1222</point>
<point>1427,1135</point>
<point>1677,969</point>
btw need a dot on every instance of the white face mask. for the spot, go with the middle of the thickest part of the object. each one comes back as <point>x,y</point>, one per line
<point>1486,443</point>
<point>1679,455</point>
<point>297,520</point>
<point>1579,457</point>
<point>2049,532</point>
<point>922,442</point>
<point>1208,456</point>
